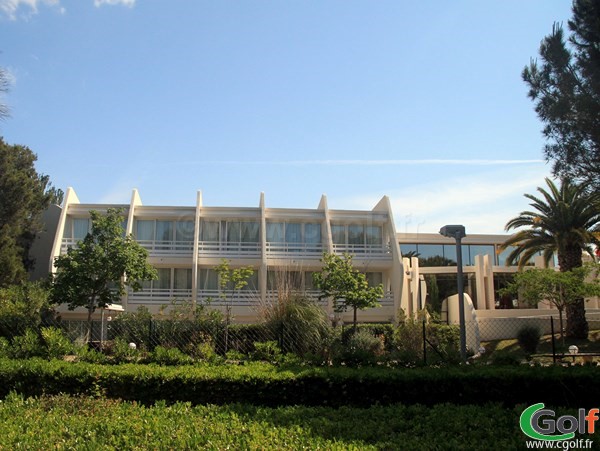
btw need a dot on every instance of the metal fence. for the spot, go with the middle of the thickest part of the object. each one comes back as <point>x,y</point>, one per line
<point>413,341</point>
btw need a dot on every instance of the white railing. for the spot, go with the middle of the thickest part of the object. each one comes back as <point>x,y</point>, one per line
<point>223,249</point>
<point>67,243</point>
<point>272,296</point>
<point>235,299</point>
<point>370,251</point>
<point>158,296</point>
<point>167,247</point>
<point>386,301</point>
<point>296,250</point>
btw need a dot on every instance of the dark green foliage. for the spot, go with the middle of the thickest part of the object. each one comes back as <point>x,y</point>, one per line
<point>23,197</point>
<point>565,87</point>
<point>267,351</point>
<point>442,343</point>
<point>57,345</point>
<point>169,356</point>
<point>529,338</point>
<point>263,384</point>
<point>359,349</point>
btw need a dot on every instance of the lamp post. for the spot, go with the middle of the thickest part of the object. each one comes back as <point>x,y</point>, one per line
<point>458,233</point>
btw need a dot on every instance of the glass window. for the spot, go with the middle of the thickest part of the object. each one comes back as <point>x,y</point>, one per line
<point>164,230</point>
<point>252,284</point>
<point>312,233</point>
<point>338,234</point>
<point>482,250</point>
<point>209,231</point>
<point>374,278</point>
<point>431,255</point>
<point>208,279</point>
<point>81,227</point>
<point>184,231</point>
<point>164,279</point>
<point>374,235</point>
<point>68,231</point>
<point>309,283</point>
<point>249,232</point>
<point>183,279</point>
<point>144,230</point>
<point>293,232</point>
<point>233,232</point>
<point>408,250</point>
<point>356,234</point>
<point>275,232</point>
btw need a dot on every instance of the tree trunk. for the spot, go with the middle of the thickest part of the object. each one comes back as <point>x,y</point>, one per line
<point>355,321</point>
<point>577,325</point>
<point>88,334</point>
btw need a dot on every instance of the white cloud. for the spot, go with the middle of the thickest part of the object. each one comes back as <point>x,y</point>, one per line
<point>444,162</point>
<point>129,3</point>
<point>11,7</point>
<point>483,202</point>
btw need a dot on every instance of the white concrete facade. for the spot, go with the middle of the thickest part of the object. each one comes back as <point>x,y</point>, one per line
<point>186,243</point>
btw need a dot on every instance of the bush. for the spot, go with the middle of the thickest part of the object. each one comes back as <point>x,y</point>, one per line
<point>85,354</point>
<point>169,356</point>
<point>529,339</point>
<point>57,344</point>
<point>361,348</point>
<point>122,352</point>
<point>27,346</point>
<point>268,351</point>
<point>505,357</point>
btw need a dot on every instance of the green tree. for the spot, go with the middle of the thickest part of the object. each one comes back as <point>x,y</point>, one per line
<point>96,272</point>
<point>231,280</point>
<point>24,195</point>
<point>561,289</point>
<point>563,222</point>
<point>347,286</point>
<point>24,306</point>
<point>565,87</point>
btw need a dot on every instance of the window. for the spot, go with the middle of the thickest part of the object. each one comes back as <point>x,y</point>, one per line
<point>184,231</point>
<point>293,232</point>
<point>374,235</point>
<point>144,230</point>
<point>338,234</point>
<point>249,232</point>
<point>208,279</point>
<point>209,231</point>
<point>374,278</point>
<point>76,228</point>
<point>183,279</point>
<point>275,232</point>
<point>312,233</point>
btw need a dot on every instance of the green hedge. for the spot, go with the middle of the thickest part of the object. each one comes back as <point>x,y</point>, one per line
<point>264,384</point>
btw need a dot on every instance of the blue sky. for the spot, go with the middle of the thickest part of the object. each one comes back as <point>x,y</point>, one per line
<point>422,101</point>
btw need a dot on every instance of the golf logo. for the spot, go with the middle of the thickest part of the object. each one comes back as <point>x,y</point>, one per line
<point>539,423</point>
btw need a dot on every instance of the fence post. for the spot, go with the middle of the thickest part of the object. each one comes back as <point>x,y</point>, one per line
<point>424,344</point>
<point>151,335</point>
<point>553,343</point>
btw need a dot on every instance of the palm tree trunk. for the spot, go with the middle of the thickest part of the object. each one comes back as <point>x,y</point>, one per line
<point>577,325</point>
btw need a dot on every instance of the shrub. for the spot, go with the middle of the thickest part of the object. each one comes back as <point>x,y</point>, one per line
<point>122,352</point>
<point>57,344</point>
<point>505,357</point>
<point>86,354</point>
<point>169,356</point>
<point>529,338</point>
<point>268,351</point>
<point>5,349</point>
<point>27,346</point>
<point>361,348</point>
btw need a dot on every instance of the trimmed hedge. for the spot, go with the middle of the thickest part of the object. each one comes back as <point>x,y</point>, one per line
<point>264,384</point>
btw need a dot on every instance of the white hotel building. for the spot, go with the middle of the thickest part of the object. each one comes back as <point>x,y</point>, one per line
<point>186,243</point>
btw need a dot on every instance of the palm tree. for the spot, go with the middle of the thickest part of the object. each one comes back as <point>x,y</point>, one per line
<point>563,222</point>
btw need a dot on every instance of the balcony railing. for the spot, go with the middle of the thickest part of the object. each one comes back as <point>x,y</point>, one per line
<point>158,295</point>
<point>168,247</point>
<point>67,243</point>
<point>370,251</point>
<point>235,299</point>
<point>273,295</point>
<point>296,250</point>
<point>386,301</point>
<point>231,249</point>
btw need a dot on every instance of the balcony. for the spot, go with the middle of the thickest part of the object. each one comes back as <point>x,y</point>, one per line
<point>229,249</point>
<point>273,295</point>
<point>241,298</point>
<point>365,251</point>
<point>173,248</point>
<point>158,296</point>
<point>67,243</point>
<point>295,250</point>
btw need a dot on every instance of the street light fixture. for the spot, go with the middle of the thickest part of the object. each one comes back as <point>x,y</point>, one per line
<point>458,233</point>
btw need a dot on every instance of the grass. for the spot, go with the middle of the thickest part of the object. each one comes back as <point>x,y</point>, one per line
<point>63,422</point>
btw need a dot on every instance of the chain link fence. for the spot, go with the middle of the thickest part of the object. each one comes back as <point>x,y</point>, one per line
<point>304,332</point>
